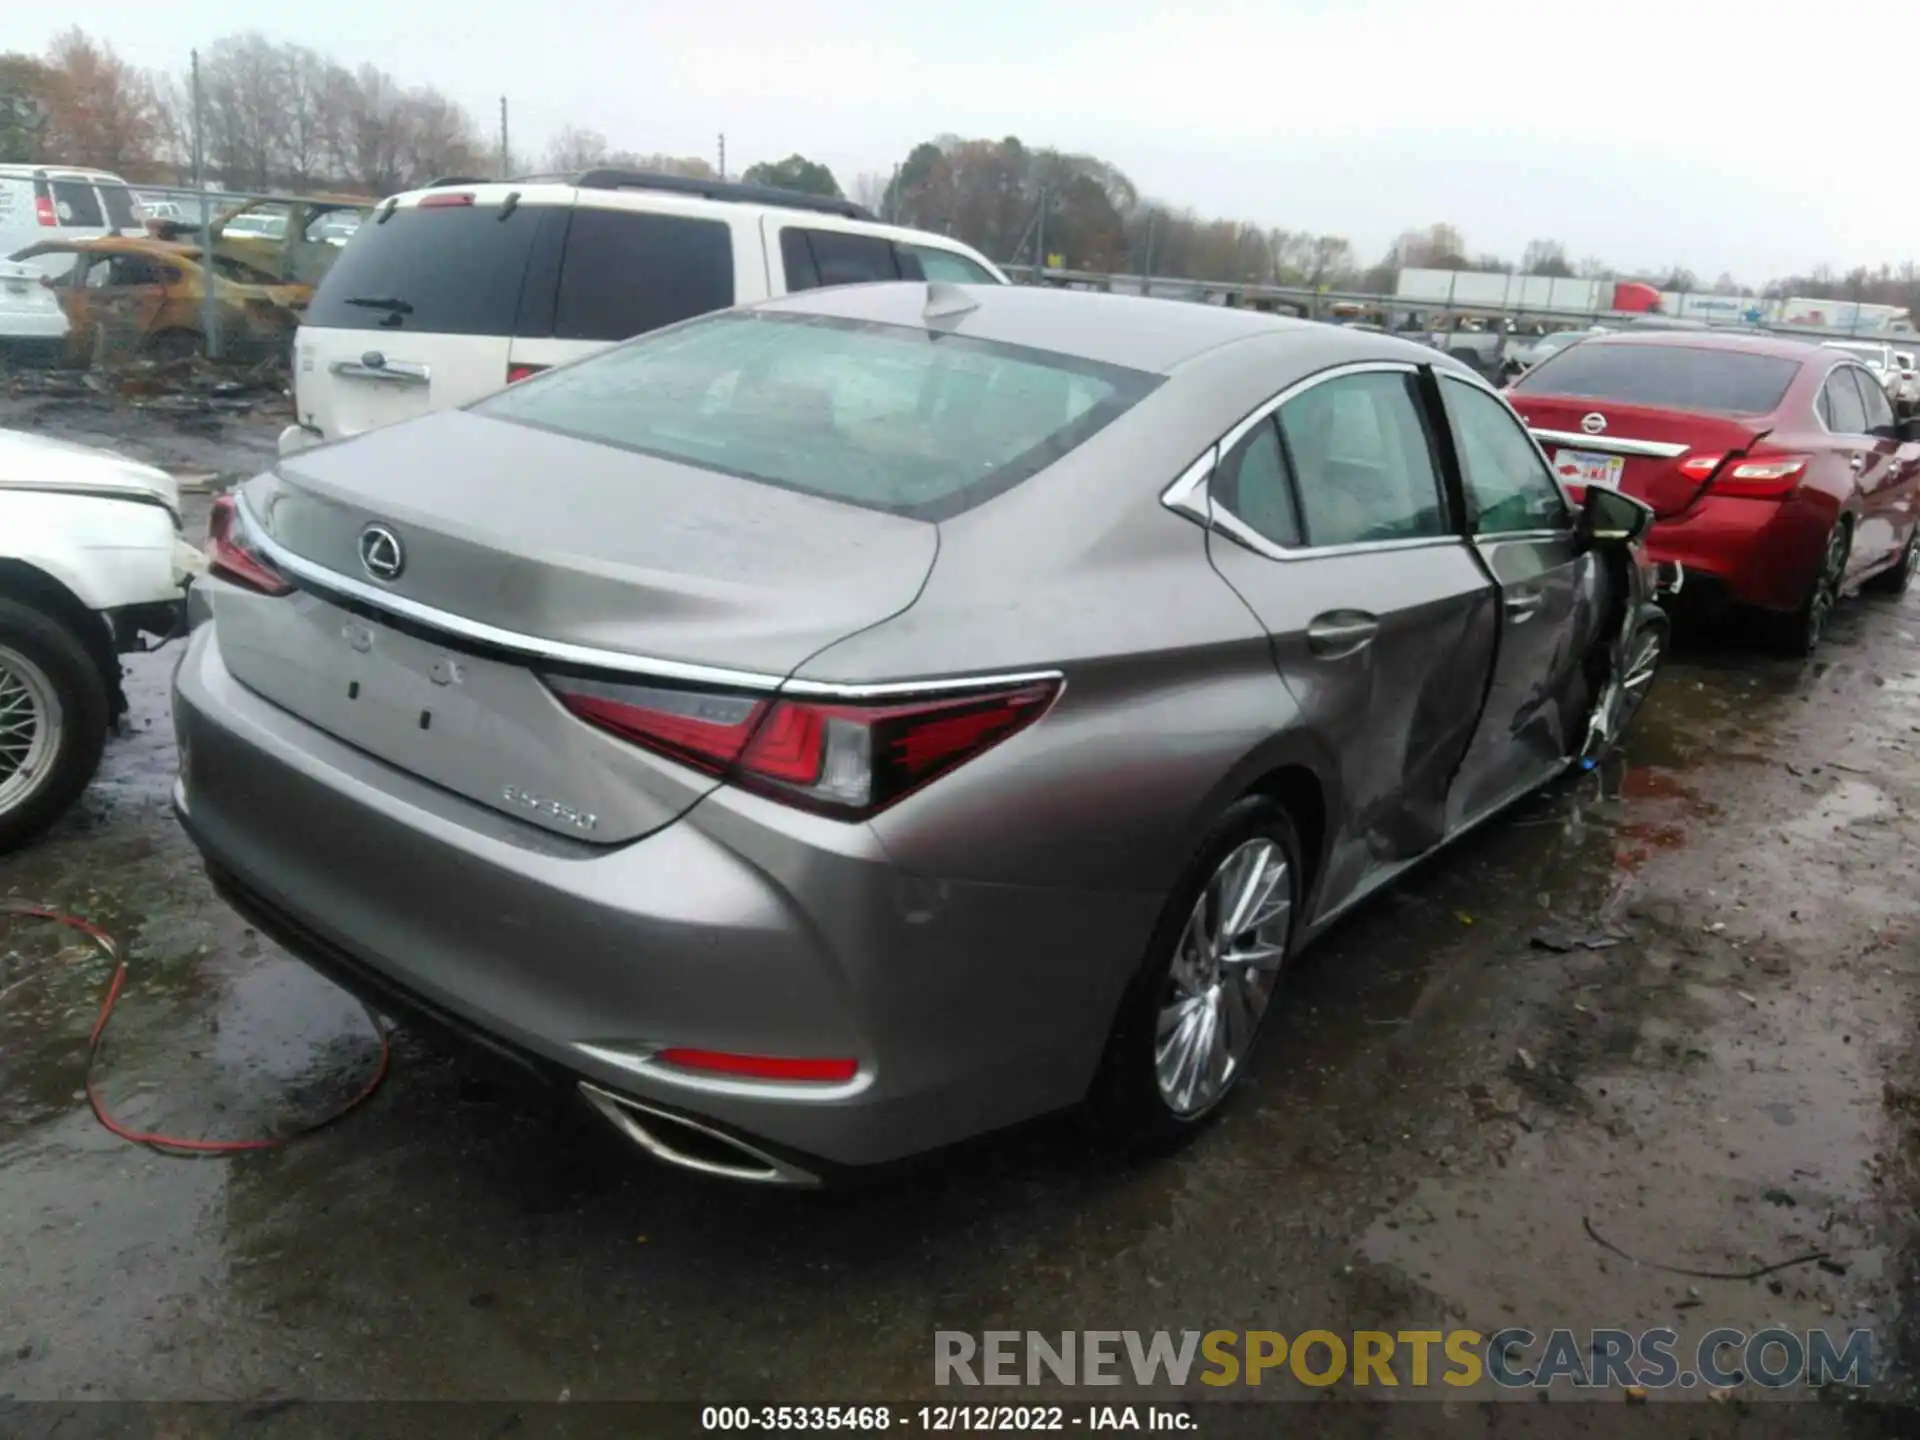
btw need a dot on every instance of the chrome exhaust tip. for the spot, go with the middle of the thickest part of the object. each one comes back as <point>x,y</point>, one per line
<point>689,1145</point>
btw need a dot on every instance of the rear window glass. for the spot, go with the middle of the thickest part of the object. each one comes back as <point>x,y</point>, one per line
<point>626,273</point>
<point>814,258</point>
<point>1667,376</point>
<point>120,209</point>
<point>450,270</point>
<point>76,204</point>
<point>889,417</point>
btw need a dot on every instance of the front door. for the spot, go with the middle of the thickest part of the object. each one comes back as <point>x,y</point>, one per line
<point>1523,528</point>
<point>1331,522</point>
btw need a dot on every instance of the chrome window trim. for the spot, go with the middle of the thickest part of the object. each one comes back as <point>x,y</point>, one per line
<point>618,661</point>
<point>1191,496</point>
<point>1611,444</point>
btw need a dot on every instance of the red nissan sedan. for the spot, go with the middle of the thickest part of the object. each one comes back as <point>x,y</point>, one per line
<point>1778,475</point>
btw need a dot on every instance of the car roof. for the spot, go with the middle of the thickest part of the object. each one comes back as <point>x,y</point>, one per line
<point>1127,330</point>
<point>1780,347</point>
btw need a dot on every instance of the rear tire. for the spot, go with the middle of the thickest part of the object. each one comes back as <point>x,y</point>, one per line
<point>1207,986</point>
<point>1895,581</point>
<point>1798,634</point>
<point>53,721</point>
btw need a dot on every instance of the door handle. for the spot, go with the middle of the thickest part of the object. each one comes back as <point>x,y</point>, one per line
<point>1341,632</point>
<point>1859,461</point>
<point>1524,604</point>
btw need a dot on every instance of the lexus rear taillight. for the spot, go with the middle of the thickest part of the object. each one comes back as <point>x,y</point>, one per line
<point>1765,478</point>
<point>841,758</point>
<point>231,555</point>
<point>517,373</point>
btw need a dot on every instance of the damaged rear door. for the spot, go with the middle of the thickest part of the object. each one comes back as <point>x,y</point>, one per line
<point>1381,616</point>
<point>1550,602</point>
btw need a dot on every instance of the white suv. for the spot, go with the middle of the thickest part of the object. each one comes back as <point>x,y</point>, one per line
<point>446,294</point>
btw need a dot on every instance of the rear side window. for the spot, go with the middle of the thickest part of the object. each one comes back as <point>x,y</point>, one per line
<point>1364,461</point>
<point>885,416</point>
<point>1724,382</point>
<point>451,270</point>
<point>626,273</point>
<point>814,258</point>
<point>1873,396</point>
<point>1253,483</point>
<point>119,202</point>
<point>76,204</point>
<point>1844,413</point>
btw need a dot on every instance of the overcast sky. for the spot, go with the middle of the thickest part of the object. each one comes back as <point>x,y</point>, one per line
<point>1696,132</point>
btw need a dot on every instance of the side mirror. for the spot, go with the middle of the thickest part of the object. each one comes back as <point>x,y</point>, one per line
<point>1610,518</point>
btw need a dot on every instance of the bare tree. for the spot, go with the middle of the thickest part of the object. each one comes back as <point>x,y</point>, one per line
<point>99,109</point>
<point>575,149</point>
<point>869,188</point>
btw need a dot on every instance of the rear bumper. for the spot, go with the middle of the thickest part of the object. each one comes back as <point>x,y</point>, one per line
<point>1761,553</point>
<point>742,927</point>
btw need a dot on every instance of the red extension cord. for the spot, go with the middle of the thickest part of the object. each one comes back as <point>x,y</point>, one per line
<point>176,1145</point>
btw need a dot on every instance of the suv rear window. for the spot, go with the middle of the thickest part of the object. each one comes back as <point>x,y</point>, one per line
<point>628,272</point>
<point>885,416</point>
<point>76,204</point>
<point>119,202</point>
<point>1668,377</point>
<point>449,270</point>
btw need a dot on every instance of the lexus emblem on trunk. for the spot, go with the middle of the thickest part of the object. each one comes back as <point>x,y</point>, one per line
<point>1593,424</point>
<point>380,553</point>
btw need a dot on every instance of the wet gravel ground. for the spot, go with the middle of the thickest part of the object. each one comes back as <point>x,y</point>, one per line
<point>1442,1118</point>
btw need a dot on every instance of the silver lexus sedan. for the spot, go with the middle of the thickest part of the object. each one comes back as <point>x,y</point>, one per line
<point>825,730</point>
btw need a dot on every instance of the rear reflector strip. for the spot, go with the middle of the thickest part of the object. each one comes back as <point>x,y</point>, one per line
<point>761,1067</point>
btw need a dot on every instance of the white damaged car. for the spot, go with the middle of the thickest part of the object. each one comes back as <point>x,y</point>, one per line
<point>92,566</point>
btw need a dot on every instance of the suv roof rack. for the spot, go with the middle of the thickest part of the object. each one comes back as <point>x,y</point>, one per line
<point>614,179</point>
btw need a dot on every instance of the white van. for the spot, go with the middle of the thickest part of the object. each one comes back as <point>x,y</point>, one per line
<point>446,294</point>
<point>61,202</point>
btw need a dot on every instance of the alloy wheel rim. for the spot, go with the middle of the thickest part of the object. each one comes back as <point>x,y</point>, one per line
<point>1224,972</point>
<point>30,725</point>
<point>1643,663</point>
<point>1826,588</point>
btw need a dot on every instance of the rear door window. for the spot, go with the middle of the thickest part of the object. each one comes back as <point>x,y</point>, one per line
<point>1845,415</point>
<point>450,270</point>
<point>118,201</point>
<point>814,258</point>
<point>75,204</point>
<point>1668,377</point>
<point>1364,461</point>
<point>627,272</point>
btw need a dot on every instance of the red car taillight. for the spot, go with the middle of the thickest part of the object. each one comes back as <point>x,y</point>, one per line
<point>1700,467</point>
<point>841,758</point>
<point>1763,478</point>
<point>230,556</point>
<point>517,373</point>
<point>761,1067</point>
<point>43,208</point>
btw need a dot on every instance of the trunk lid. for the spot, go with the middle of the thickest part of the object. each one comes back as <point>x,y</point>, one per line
<point>347,382</point>
<point>1654,454</point>
<point>523,539</point>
